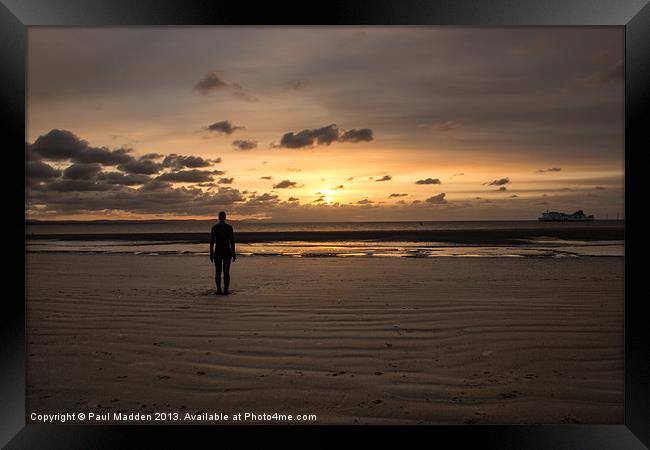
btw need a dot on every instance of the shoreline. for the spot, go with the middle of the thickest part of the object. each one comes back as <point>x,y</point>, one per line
<point>460,236</point>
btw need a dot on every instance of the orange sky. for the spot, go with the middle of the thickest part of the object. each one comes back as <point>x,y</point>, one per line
<point>344,123</point>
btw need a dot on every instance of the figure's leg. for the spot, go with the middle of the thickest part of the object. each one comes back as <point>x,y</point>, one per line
<point>217,272</point>
<point>226,273</point>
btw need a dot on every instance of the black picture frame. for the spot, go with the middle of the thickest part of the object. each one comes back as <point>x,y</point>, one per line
<point>634,15</point>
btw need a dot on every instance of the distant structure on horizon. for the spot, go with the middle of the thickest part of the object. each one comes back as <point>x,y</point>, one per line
<point>554,216</point>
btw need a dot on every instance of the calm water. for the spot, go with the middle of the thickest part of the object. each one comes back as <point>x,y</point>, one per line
<point>200,226</point>
<point>285,239</point>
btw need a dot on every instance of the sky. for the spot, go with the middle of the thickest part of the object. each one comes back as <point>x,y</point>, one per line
<point>324,123</point>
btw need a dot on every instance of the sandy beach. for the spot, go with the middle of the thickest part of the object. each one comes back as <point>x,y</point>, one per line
<point>351,340</point>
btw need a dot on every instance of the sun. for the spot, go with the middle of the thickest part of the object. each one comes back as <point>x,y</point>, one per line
<point>328,195</point>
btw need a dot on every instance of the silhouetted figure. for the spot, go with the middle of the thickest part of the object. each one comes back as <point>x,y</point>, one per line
<point>222,251</point>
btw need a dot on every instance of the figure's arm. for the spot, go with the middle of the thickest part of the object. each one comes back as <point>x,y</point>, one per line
<point>211,247</point>
<point>232,245</point>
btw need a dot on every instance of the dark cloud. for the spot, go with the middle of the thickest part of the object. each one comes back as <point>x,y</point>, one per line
<point>104,156</point>
<point>151,156</point>
<point>293,199</point>
<point>155,197</point>
<point>397,195</point>
<point>38,170</point>
<point>364,134</point>
<point>365,201</point>
<point>550,169</point>
<point>189,176</point>
<point>212,82</point>
<point>226,180</point>
<point>119,178</point>
<point>191,162</point>
<point>498,182</point>
<point>244,144</point>
<point>209,83</point>
<point>141,166</point>
<point>502,189</point>
<point>384,178</point>
<point>58,145</point>
<point>61,145</point>
<point>284,184</point>
<point>437,199</point>
<point>268,177</point>
<point>323,136</point>
<point>70,185</point>
<point>224,127</point>
<point>82,171</point>
<point>428,181</point>
<point>264,198</point>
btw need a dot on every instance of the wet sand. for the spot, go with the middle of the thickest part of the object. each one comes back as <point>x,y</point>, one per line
<point>362,340</point>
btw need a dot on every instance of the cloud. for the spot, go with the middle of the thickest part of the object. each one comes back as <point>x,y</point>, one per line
<point>293,199</point>
<point>502,189</point>
<point>142,166</point>
<point>38,170</point>
<point>226,180</point>
<point>69,185</point>
<point>550,169</point>
<point>244,144</point>
<point>104,156</point>
<point>397,195</point>
<point>209,83</point>
<point>189,176</point>
<point>191,162</point>
<point>365,201</point>
<point>212,82</point>
<point>58,145</point>
<point>428,181</point>
<point>82,171</point>
<point>264,198</point>
<point>267,177</point>
<point>284,184</point>
<point>364,134</point>
<point>385,178</point>
<point>498,182</point>
<point>308,138</point>
<point>437,199</point>
<point>119,178</point>
<point>239,93</point>
<point>224,127</point>
<point>61,145</point>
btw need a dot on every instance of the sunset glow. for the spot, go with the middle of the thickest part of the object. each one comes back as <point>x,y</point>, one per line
<point>324,124</point>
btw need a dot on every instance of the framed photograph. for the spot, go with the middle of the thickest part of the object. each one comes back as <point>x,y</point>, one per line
<point>413,216</point>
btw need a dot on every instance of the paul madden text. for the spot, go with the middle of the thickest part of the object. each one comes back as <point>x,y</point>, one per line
<point>198,417</point>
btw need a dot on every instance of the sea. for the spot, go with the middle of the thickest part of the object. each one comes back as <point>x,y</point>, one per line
<point>458,239</point>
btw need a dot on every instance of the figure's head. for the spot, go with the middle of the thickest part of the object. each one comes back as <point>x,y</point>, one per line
<point>222,216</point>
